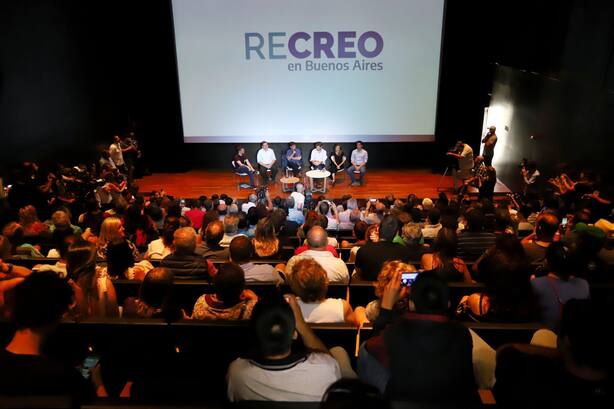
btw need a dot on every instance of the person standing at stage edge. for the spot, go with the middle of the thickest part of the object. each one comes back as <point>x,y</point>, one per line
<point>489,141</point>
<point>359,160</point>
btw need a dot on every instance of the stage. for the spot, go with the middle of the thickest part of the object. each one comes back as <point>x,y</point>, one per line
<point>379,183</point>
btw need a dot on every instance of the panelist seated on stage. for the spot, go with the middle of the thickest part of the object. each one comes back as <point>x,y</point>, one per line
<point>358,159</point>
<point>318,157</point>
<point>294,158</point>
<point>337,162</point>
<point>266,162</point>
<point>243,165</point>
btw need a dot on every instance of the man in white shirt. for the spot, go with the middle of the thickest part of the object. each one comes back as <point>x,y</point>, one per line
<point>317,240</point>
<point>298,196</point>
<point>464,154</point>
<point>276,373</point>
<point>266,162</point>
<point>231,229</point>
<point>318,157</point>
<point>251,202</point>
<point>117,154</point>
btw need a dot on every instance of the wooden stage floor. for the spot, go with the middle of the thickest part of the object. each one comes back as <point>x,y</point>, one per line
<point>379,183</point>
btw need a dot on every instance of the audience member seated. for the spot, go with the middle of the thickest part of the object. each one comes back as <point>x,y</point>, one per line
<point>266,244</point>
<point>577,374</point>
<point>112,232</point>
<point>210,247</point>
<point>390,271</point>
<point>195,214</point>
<point>353,394</point>
<point>430,230</point>
<point>33,229</point>
<point>423,358</point>
<point>335,268</point>
<point>558,286</point>
<point>275,371</point>
<point>506,273</point>
<point>13,232</point>
<point>536,244</point>
<point>371,257</point>
<point>241,252</point>
<point>231,229</point>
<point>162,247</point>
<point>183,261</point>
<point>473,241</point>
<point>59,267</point>
<point>359,232</point>
<point>94,291</point>
<point>443,261</point>
<point>411,237</point>
<point>329,210</point>
<point>61,220</point>
<point>231,300</point>
<point>310,284</point>
<point>40,302</point>
<point>155,298</point>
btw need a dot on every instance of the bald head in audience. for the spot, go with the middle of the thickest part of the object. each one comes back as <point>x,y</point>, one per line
<point>214,233</point>
<point>317,239</point>
<point>184,240</point>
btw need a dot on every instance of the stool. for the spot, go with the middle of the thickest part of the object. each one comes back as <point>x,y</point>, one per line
<point>340,172</point>
<point>358,177</point>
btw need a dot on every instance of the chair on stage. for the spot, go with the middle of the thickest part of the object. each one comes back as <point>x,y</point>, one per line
<point>359,177</point>
<point>239,177</point>
<point>288,171</point>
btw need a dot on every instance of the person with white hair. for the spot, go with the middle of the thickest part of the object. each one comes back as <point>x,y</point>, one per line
<point>251,202</point>
<point>317,240</point>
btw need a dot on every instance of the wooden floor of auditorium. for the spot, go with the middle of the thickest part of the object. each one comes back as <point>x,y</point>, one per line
<point>379,183</point>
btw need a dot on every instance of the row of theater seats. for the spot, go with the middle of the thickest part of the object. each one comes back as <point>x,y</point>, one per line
<point>196,354</point>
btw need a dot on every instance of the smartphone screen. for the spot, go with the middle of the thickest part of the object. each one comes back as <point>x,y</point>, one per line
<point>407,279</point>
<point>88,364</point>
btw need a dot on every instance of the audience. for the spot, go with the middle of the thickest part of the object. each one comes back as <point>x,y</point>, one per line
<point>423,358</point>
<point>371,257</point>
<point>575,374</point>
<point>155,297</point>
<point>40,302</point>
<point>231,229</point>
<point>443,261</point>
<point>183,261</point>
<point>558,286</point>
<point>94,291</point>
<point>275,371</point>
<point>474,240</point>
<point>241,253</point>
<point>317,240</point>
<point>536,244</point>
<point>310,283</point>
<point>266,244</point>
<point>231,300</point>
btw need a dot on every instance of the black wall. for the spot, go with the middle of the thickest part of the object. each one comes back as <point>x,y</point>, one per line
<point>73,72</point>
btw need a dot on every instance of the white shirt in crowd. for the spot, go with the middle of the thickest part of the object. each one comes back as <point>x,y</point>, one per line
<point>246,206</point>
<point>327,311</point>
<point>260,273</point>
<point>115,151</point>
<point>302,380</point>
<point>265,156</point>
<point>336,270</point>
<point>299,200</point>
<point>318,155</point>
<point>429,231</point>
<point>156,250</point>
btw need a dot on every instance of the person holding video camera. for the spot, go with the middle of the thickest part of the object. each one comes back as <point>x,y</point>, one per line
<point>464,153</point>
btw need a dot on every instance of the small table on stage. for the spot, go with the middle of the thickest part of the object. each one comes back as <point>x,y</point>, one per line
<point>314,176</point>
<point>287,183</point>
